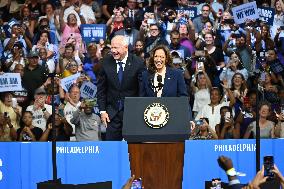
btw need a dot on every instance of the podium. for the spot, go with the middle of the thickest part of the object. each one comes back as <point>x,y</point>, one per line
<point>156,147</point>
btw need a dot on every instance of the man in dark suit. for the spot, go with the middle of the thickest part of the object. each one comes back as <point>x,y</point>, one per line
<point>117,79</point>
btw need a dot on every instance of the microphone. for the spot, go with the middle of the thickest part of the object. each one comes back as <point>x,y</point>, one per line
<point>159,80</point>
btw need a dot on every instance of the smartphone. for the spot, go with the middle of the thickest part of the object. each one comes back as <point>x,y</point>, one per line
<point>137,184</point>
<point>14,102</point>
<point>227,116</point>
<point>177,61</point>
<point>200,65</point>
<point>5,114</point>
<point>199,122</point>
<point>282,27</point>
<point>268,162</point>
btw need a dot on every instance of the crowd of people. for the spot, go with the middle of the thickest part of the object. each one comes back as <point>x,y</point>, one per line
<point>152,49</point>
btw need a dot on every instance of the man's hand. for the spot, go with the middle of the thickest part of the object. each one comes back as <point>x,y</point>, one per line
<point>105,119</point>
<point>258,179</point>
<point>278,174</point>
<point>225,163</point>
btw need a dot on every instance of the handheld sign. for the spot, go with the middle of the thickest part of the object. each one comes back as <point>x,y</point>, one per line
<point>10,82</point>
<point>68,81</point>
<point>244,12</point>
<point>93,32</point>
<point>266,15</point>
<point>88,90</point>
<point>190,12</point>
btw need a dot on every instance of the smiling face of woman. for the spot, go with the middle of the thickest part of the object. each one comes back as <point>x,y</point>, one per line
<point>72,20</point>
<point>160,59</point>
<point>264,111</point>
<point>237,80</point>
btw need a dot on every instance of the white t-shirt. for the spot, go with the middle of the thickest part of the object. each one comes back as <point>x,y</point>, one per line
<point>69,109</point>
<point>201,98</point>
<point>214,117</point>
<point>38,116</point>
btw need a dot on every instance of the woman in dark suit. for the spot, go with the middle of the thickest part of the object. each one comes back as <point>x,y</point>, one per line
<point>161,79</point>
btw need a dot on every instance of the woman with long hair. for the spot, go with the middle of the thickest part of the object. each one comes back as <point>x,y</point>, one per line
<point>235,65</point>
<point>28,132</point>
<point>226,129</point>
<point>161,79</point>
<point>201,90</point>
<point>266,127</point>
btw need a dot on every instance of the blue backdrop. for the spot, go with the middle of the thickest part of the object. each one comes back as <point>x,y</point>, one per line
<point>22,165</point>
<point>25,164</point>
<point>200,160</point>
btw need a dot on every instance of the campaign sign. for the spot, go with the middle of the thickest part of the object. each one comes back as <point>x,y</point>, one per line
<point>266,15</point>
<point>200,160</point>
<point>244,12</point>
<point>23,165</point>
<point>88,90</point>
<point>93,32</point>
<point>10,82</point>
<point>190,12</point>
<point>68,81</point>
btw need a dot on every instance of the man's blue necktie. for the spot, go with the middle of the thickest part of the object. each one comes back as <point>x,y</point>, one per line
<point>120,76</point>
<point>120,72</point>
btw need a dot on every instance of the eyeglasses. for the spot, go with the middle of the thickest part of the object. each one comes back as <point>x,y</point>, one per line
<point>154,29</point>
<point>73,65</point>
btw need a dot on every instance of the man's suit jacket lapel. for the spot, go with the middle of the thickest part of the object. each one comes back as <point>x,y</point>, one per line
<point>113,72</point>
<point>150,82</point>
<point>167,82</point>
<point>127,69</point>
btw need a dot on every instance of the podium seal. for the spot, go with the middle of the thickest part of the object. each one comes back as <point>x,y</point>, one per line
<point>156,115</point>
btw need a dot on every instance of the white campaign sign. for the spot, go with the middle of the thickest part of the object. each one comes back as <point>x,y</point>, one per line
<point>10,82</point>
<point>88,90</point>
<point>244,12</point>
<point>68,81</point>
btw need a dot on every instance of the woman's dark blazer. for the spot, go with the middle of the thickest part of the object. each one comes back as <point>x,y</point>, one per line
<point>174,84</point>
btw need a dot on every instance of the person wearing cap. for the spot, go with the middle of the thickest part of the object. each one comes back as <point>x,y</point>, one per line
<point>40,110</point>
<point>34,74</point>
<point>87,123</point>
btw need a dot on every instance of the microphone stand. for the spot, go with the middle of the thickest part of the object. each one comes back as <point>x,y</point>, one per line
<point>54,163</point>
<point>257,134</point>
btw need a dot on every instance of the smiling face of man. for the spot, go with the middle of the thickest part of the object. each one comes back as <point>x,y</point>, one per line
<point>119,48</point>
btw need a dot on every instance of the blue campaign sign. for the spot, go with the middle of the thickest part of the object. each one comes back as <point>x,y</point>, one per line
<point>266,15</point>
<point>22,165</point>
<point>93,32</point>
<point>200,160</point>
